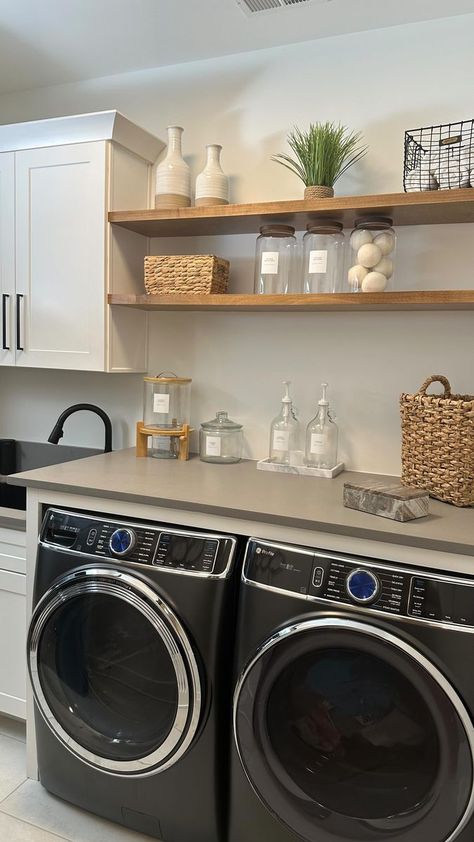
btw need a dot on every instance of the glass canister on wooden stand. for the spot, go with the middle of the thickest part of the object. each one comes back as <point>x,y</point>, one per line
<point>372,247</point>
<point>323,257</point>
<point>166,410</point>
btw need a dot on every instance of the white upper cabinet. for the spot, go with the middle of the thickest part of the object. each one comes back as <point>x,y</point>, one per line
<point>59,257</point>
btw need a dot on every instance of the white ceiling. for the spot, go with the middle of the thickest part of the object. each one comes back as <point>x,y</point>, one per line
<point>48,42</point>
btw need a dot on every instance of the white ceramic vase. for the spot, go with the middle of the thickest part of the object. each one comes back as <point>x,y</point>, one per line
<point>212,185</point>
<point>173,176</point>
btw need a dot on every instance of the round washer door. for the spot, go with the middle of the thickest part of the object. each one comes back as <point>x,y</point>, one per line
<point>346,732</point>
<point>113,672</point>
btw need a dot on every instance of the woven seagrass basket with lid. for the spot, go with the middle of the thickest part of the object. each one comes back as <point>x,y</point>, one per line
<point>438,443</point>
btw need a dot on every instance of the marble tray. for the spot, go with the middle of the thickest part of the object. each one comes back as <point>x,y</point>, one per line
<point>303,470</point>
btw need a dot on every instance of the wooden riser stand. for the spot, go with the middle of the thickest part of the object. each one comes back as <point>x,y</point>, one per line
<point>183,434</point>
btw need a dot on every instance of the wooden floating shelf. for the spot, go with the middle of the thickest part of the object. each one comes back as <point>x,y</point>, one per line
<point>343,302</point>
<point>428,208</point>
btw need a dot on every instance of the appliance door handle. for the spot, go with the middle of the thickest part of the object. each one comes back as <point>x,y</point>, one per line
<point>5,305</point>
<point>19,300</point>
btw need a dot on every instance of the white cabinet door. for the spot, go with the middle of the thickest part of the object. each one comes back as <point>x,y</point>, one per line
<point>13,644</point>
<point>7,257</point>
<point>60,256</point>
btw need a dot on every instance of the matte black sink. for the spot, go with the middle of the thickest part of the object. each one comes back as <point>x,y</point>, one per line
<point>16,456</point>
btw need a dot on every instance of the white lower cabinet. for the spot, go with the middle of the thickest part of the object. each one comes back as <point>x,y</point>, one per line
<point>12,623</point>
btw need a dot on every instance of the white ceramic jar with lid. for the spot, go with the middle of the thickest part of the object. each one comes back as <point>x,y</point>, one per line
<point>372,243</point>
<point>275,260</point>
<point>220,440</point>
<point>323,257</point>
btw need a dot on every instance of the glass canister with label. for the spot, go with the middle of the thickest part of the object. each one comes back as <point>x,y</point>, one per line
<point>275,260</point>
<point>167,402</point>
<point>220,440</point>
<point>323,257</point>
<point>372,243</point>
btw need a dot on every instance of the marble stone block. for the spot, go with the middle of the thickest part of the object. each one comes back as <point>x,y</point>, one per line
<point>397,502</point>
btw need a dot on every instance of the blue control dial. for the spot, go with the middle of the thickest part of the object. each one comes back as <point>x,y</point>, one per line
<point>363,586</point>
<point>122,541</point>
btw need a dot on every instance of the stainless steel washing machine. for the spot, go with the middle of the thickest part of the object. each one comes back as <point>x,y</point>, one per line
<point>354,704</point>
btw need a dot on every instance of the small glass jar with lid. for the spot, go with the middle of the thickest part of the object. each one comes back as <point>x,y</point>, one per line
<point>275,260</point>
<point>220,440</point>
<point>323,257</point>
<point>166,406</point>
<point>372,248</point>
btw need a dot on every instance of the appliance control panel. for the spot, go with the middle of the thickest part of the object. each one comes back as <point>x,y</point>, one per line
<point>139,543</point>
<point>359,582</point>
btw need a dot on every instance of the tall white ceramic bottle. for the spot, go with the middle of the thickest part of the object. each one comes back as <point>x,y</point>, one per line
<point>173,176</point>
<point>212,184</point>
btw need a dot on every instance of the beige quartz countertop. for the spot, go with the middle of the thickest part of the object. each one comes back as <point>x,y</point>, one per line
<point>243,492</point>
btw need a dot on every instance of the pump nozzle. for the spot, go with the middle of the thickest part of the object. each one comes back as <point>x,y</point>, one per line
<point>324,401</point>
<point>286,397</point>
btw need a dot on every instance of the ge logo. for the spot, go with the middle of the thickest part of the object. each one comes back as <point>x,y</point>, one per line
<point>258,550</point>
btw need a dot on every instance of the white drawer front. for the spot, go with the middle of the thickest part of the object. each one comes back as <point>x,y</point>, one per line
<point>13,550</point>
<point>13,643</point>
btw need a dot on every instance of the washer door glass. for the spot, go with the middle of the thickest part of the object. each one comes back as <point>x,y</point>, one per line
<point>113,673</point>
<point>344,733</point>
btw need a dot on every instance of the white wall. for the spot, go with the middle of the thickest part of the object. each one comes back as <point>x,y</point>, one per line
<point>381,82</point>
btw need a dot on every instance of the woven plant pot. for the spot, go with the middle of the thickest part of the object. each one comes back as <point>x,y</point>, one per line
<point>186,274</point>
<point>318,192</point>
<point>438,443</point>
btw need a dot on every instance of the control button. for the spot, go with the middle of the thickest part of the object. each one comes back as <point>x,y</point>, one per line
<point>362,586</point>
<point>122,541</point>
<point>91,537</point>
<point>318,576</point>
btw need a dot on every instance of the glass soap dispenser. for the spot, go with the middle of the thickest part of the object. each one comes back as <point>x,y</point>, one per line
<point>284,430</point>
<point>321,437</point>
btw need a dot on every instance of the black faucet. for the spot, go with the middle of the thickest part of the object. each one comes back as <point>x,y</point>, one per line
<point>57,431</point>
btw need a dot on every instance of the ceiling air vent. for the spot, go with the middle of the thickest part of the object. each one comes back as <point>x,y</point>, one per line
<point>250,7</point>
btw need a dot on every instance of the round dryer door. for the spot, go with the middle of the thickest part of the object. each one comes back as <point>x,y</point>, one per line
<point>347,733</point>
<point>113,672</point>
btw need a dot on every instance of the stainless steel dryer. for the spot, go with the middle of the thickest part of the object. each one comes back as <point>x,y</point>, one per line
<point>353,710</point>
<point>130,650</point>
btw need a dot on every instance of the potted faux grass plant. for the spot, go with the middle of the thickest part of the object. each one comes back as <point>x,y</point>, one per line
<point>321,155</point>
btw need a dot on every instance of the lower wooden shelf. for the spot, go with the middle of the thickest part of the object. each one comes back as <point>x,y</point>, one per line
<point>340,302</point>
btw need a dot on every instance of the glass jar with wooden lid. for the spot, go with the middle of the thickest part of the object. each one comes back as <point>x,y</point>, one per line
<point>323,257</point>
<point>373,242</point>
<point>275,259</point>
<point>166,406</point>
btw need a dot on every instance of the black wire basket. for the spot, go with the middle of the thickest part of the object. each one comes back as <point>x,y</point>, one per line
<point>439,157</point>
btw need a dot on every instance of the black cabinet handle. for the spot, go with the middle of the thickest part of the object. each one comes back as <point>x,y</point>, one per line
<point>5,301</point>
<point>19,299</point>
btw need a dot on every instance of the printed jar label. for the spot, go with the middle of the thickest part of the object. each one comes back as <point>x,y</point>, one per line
<point>281,439</point>
<point>318,262</point>
<point>213,446</point>
<point>269,265</point>
<point>161,403</point>
<point>317,443</point>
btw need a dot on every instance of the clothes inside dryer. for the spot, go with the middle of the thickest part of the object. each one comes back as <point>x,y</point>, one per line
<point>353,733</point>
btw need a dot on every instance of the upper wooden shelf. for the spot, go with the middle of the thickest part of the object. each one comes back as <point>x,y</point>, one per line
<point>418,300</point>
<point>429,208</point>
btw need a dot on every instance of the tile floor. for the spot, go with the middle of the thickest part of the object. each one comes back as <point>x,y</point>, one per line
<point>29,814</point>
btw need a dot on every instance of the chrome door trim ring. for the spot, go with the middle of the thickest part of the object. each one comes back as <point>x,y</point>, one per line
<point>139,595</point>
<point>335,623</point>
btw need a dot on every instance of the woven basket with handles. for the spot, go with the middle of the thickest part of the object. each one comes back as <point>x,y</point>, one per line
<point>438,443</point>
<point>190,274</point>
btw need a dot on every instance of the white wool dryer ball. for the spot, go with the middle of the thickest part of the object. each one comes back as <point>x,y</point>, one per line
<point>374,282</point>
<point>385,241</point>
<point>360,238</point>
<point>369,255</point>
<point>356,275</point>
<point>385,267</point>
